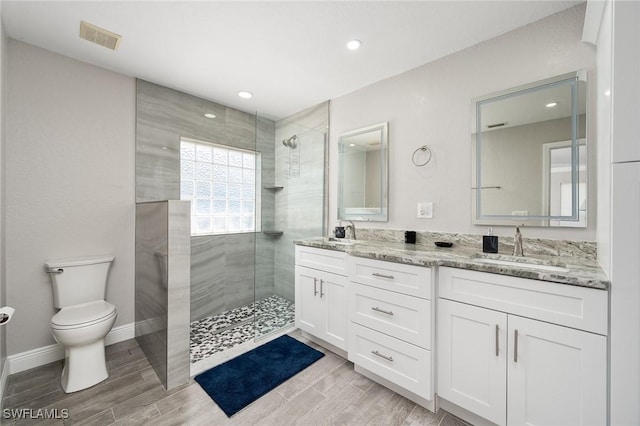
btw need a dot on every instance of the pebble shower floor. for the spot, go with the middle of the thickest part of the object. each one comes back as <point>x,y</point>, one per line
<point>214,334</point>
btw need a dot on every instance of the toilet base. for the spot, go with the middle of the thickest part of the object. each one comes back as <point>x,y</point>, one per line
<point>84,366</point>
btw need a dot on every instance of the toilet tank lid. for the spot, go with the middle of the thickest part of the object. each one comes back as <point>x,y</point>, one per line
<point>79,261</point>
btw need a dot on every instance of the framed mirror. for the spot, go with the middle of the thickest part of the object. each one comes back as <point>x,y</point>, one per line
<point>529,154</point>
<point>363,174</point>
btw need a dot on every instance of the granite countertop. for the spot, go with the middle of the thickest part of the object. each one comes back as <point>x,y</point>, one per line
<point>570,270</point>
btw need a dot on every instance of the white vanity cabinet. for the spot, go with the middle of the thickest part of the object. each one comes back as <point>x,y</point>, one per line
<point>390,330</point>
<point>516,351</point>
<point>321,294</point>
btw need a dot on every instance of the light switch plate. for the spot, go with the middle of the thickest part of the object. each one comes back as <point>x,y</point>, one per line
<point>425,210</point>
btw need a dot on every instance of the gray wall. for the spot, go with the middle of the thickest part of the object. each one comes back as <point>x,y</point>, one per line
<point>69,170</point>
<point>431,105</point>
<point>300,205</point>
<point>3,285</point>
<point>223,267</point>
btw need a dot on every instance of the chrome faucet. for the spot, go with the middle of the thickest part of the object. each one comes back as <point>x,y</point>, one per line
<point>517,243</point>
<point>351,230</point>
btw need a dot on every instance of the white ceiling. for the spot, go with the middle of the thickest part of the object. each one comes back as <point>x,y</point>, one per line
<point>290,55</point>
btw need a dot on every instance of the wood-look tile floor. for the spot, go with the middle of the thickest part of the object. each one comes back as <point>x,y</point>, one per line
<point>329,392</point>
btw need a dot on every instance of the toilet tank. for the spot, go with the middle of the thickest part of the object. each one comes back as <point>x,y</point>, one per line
<point>78,280</point>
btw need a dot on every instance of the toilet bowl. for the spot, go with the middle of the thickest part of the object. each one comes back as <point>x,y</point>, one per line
<point>84,318</point>
<point>81,329</point>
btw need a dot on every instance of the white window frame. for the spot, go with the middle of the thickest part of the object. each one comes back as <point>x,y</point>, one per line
<point>203,206</point>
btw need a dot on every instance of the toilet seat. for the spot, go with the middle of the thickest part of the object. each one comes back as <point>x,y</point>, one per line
<point>83,315</point>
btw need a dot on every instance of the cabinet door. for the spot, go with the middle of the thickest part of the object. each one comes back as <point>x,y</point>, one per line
<point>472,359</point>
<point>557,375</point>
<point>307,300</point>
<point>333,296</point>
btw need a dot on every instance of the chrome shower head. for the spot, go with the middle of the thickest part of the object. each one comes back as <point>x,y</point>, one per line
<point>292,142</point>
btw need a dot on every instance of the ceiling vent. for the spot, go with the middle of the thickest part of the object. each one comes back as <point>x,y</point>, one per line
<point>99,35</point>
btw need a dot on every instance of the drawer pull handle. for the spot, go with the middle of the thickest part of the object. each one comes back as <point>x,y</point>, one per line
<point>321,285</point>
<point>497,340</point>
<point>515,345</point>
<point>315,286</point>
<point>382,311</point>
<point>378,274</point>
<point>388,358</point>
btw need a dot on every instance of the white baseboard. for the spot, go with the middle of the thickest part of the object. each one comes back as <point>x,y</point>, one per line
<point>47,354</point>
<point>120,334</point>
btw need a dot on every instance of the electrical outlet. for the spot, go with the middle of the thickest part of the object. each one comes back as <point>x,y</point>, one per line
<point>425,210</point>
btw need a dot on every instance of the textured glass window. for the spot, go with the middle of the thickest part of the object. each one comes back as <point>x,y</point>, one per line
<point>220,182</point>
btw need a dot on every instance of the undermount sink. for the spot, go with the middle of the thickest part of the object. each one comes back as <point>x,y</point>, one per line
<point>339,241</point>
<point>523,263</point>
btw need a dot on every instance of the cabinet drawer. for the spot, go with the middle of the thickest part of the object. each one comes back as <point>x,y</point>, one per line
<point>571,306</point>
<point>408,279</point>
<point>406,317</point>
<point>322,259</point>
<point>399,362</point>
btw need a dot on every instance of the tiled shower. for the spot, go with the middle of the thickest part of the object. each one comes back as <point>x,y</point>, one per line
<point>241,285</point>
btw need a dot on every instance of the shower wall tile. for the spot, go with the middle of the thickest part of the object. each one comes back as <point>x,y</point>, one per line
<point>265,145</point>
<point>157,169</point>
<point>238,293</point>
<point>178,294</point>
<point>151,284</point>
<point>240,269</point>
<point>223,271</point>
<point>163,117</point>
<point>207,276</point>
<point>264,277</point>
<point>264,252</point>
<point>300,206</point>
<point>162,288</point>
<point>221,266</point>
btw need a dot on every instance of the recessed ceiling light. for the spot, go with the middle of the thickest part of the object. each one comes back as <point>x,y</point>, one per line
<point>354,44</point>
<point>245,95</point>
<point>352,144</point>
<point>607,92</point>
<point>551,104</point>
<point>209,115</point>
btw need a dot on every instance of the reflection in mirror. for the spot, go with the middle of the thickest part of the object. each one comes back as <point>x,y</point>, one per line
<point>362,180</point>
<point>530,154</point>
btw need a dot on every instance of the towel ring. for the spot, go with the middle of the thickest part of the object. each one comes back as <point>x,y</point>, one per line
<point>422,148</point>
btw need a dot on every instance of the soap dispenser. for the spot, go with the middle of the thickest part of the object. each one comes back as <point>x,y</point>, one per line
<point>517,243</point>
<point>490,242</point>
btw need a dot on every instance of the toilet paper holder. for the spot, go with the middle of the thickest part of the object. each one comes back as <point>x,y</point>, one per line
<point>6,314</point>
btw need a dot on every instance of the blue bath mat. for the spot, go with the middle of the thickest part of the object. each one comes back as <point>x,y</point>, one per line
<point>240,381</point>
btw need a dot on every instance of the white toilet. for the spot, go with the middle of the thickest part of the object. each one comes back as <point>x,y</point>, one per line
<point>84,319</point>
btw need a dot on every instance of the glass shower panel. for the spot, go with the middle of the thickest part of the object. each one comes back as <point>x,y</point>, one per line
<point>293,207</point>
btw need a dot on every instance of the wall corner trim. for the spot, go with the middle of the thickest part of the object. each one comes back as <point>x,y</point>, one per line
<point>47,354</point>
<point>592,21</point>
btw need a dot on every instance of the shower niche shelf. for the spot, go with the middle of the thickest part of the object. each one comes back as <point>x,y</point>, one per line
<point>273,187</point>
<point>272,233</point>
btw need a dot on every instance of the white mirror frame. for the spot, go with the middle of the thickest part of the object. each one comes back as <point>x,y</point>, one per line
<point>570,79</point>
<point>364,213</point>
